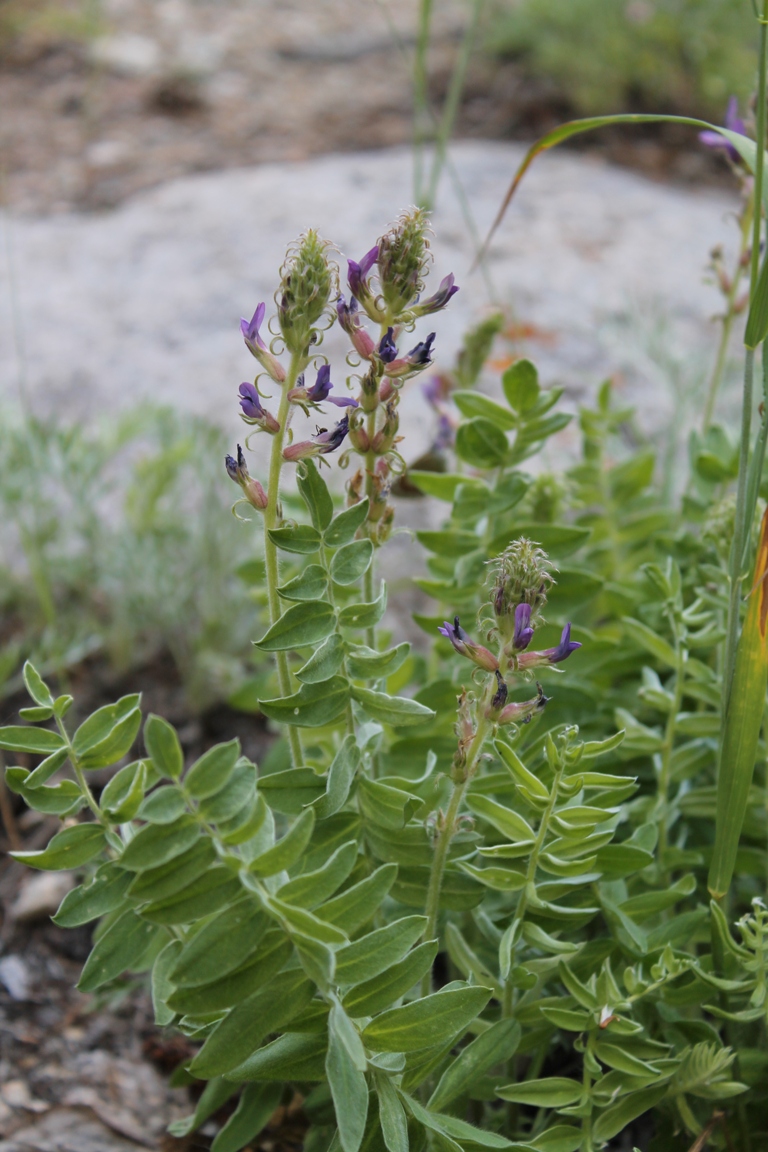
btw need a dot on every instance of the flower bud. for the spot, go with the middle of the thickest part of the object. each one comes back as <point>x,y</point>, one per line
<point>320,445</point>
<point>253,412</point>
<point>257,347</point>
<point>403,254</point>
<point>524,712</point>
<point>350,321</point>
<point>438,301</point>
<point>237,470</point>
<point>415,361</point>
<point>465,647</point>
<point>521,576</point>
<point>358,437</point>
<point>308,279</point>
<point>550,655</point>
<point>385,525</point>
<point>386,437</point>
<point>499,698</point>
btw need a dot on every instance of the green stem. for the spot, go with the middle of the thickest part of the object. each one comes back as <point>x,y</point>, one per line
<point>739,532</point>
<point>666,753</point>
<point>718,371</point>
<point>421,96</point>
<point>447,832</point>
<point>271,521</point>
<point>452,101</point>
<point>79,773</point>
<point>741,528</point>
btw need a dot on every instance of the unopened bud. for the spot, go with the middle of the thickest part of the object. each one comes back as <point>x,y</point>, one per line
<point>402,259</point>
<point>521,576</point>
<point>308,280</point>
<point>465,647</point>
<point>237,470</point>
<point>523,713</point>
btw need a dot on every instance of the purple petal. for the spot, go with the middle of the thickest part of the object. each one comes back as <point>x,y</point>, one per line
<point>250,401</point>
<point>369,260</point>
<point>250,328</point>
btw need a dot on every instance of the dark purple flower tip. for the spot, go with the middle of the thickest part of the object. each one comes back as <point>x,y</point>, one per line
<point>387,347</point>
<point>330,440</point>
<point>523,631</point>
<point>356,273</point>
<point>347,313</point>
<point>421,355</point>
<point>250,328</point>
<point>237,469</point>
<point>250,401</point>
<point>231,466</point>
<point>564,648</point>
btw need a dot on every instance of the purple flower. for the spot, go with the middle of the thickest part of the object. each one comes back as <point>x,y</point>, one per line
<point>733,123</point>
<point>257,347</point>
<point>465,647</point>
<point>325,441</point>
<point>250,328</point>
<point>253,412</point>
<point>550,655</point>
<point>319,391</point>
<point>237,470</point>
<point>523,713</point>
<point>523,631</point>
<point>357,273</point>
<point>438,301</point>
<point>418,358</point>
<point>387,347</point>
<point>350,320</point>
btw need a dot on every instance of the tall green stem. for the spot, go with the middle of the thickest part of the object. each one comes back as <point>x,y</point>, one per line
<point>79,772</point>
<point>421,96</point>
<point>718,371</point>
<point>741,527</point>
<point>271,520</point>
<point>446,834</point>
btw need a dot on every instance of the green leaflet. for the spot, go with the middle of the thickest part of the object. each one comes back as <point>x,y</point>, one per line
<point>120,949</point>
<point>163,806</point>
<point>351,562</point>
<point>166,879</point>
<point>366,664</point>
<point>313,706</point>
<point>87,902</point>
<point>310,584</point>
<point>221,946</point>
<point>68,849</point>
<point>212,891</point>
<point>163,746</point>
<point>314,492</point>
<point>312,888</point>
<point>288,850</point>
<point>234,798</point>
<point>481,443</point>
<point>520,384</point>
<point>348,1089</point>
<point>107,735</point>
<point>344,526</point>
<point>394,1125</point>
<point>244,1027</point>
<point>476,404</point>
<point>301,625</point>
<point>358,904</point>
<point>364,615</point>
<point>298,538</point>
<point>614,1119</point>
<point>425,1023</point>
<point>395,710</point>
<point>122,797</point>
<point>17,738</point>
<point>509,823</point>
<point>293,1056</point>
<point>551,1092</point>
<point>215,1093</point>
<point>254,1109</point>
<point>377,994</point>
<point>156,844</point>
<point>210,773</point>
<point>273,951</point>
<point>161,983</point>
<point>339,780</point>
<point>496,1045</point>
<point>324,662</point>
<point>371,955</point>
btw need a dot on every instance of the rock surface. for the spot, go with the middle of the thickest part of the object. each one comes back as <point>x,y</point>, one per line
<point>602,266</point>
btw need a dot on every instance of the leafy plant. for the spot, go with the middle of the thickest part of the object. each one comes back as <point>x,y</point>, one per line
<point>474,926</point>
<point>116,540</point>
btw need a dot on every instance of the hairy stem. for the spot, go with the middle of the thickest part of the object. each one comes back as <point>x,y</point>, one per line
<point>85,787</point>
<point>446,834</point>
<point>271,521</point>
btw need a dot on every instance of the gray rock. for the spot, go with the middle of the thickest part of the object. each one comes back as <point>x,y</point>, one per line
<point>143,303</point>
<point>40,895</point>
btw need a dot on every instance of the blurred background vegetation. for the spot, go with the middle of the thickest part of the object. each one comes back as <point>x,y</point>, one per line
<point>601,56</point>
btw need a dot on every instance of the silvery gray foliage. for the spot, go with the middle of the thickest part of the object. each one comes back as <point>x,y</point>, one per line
<point>470,915</point>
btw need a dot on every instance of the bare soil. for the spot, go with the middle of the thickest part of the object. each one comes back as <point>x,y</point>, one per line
<point>154,89</point>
